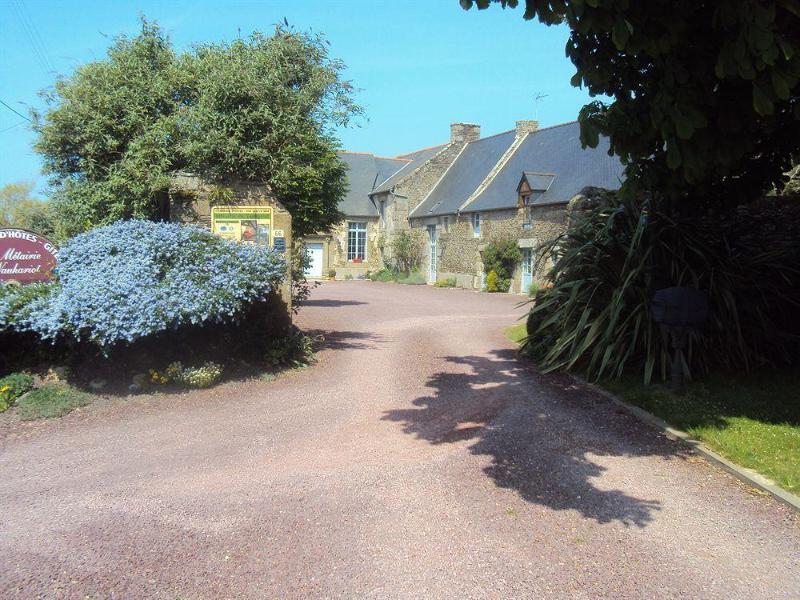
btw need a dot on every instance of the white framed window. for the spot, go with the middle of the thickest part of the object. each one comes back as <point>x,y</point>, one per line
<point>476,224</point>
<point>356,241</point>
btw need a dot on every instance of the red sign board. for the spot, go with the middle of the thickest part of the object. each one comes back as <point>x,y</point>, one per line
<point>25,257</point>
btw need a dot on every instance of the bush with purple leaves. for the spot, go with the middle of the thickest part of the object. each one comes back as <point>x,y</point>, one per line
<point>135,278</point>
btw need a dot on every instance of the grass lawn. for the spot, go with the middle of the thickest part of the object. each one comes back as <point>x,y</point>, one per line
<point>752,419</point>
<point>516,333</point>
<point>51,401</point>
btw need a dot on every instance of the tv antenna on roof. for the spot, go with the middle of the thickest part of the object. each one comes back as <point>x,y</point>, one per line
<point>536,99</point>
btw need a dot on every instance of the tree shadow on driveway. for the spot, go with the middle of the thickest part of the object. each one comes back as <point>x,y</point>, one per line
<point>330,303</point>
<point>542,433</point>
<point>342,340</point>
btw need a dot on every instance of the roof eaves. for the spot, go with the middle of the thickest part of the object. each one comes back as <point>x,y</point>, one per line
<point>423,150</point>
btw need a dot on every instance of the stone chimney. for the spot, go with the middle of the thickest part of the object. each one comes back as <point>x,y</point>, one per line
<point>464,132</point>
<point>524,127</point>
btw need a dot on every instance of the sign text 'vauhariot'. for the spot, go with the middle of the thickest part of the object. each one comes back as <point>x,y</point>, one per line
<point>25,257</point>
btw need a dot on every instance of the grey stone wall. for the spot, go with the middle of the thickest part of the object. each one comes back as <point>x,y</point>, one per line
<point>337,250</point>
<point>459,251</point>
<point>409,193</point>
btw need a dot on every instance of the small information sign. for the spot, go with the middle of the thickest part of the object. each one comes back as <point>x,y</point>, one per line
<point>243,223</point>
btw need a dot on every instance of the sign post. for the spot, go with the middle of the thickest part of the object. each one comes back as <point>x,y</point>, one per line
<point>25,257</point>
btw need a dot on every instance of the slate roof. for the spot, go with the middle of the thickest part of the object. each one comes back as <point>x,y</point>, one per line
<point>364,173</point>
<point>553,150</point>
<point>473,164</point>
<point>415,160</point>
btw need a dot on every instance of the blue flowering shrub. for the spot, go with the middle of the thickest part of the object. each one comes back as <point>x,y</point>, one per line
<point>21,347</point>
<point>135,279</point>
<point>137,296</point>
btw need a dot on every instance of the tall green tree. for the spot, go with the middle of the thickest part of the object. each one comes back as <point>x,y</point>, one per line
<point>705,94</point>
<point>18,208</point>
<point>260,109</point>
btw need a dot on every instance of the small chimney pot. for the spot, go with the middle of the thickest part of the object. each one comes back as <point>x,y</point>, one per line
<point>524,127</point>
<point>461,133</point>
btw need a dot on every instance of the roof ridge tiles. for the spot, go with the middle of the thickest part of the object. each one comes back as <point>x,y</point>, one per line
<point>494,135</point>
<point>498,166</point>
<point>373,155</point>
<point>404,154</point>
<point>438,181</point>
<point>565,123</point>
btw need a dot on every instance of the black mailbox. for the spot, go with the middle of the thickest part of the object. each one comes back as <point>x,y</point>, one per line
<point>677,309</point>
<point>680,307</point>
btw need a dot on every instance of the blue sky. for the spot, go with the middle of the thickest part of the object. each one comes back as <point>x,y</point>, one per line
<point>419,64</point>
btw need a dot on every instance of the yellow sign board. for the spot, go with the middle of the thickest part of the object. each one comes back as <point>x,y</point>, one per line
<point>251,224</point>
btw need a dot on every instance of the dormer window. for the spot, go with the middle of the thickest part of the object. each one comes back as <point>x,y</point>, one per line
<point>532,186</point>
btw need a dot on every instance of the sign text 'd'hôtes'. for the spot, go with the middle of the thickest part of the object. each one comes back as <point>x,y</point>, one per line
<point>25,257</point>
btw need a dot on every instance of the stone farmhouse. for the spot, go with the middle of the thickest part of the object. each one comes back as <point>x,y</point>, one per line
<point>460,196</point>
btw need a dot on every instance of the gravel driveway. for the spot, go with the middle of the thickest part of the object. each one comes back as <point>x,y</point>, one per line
<point>419,458</point>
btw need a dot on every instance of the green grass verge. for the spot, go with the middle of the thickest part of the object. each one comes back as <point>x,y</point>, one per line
<point>752,419</point>
<point>51,401</point>
<point>516,333</point>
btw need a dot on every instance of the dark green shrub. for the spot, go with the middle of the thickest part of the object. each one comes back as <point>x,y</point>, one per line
<point>407,250</point>
<point>294,350</point>
<point>12,387</point>
<point>596,315</point>
<point>384,275</point>
<point>501,258</point>
<point>299,264</point>
<point>413,278</point>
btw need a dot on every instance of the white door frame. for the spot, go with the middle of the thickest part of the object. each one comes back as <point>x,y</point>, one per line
<point>319,250</point>
<point>527,269</point>
<point>433,249</point>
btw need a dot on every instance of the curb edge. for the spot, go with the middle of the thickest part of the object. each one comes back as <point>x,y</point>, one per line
<point>748,476</point>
